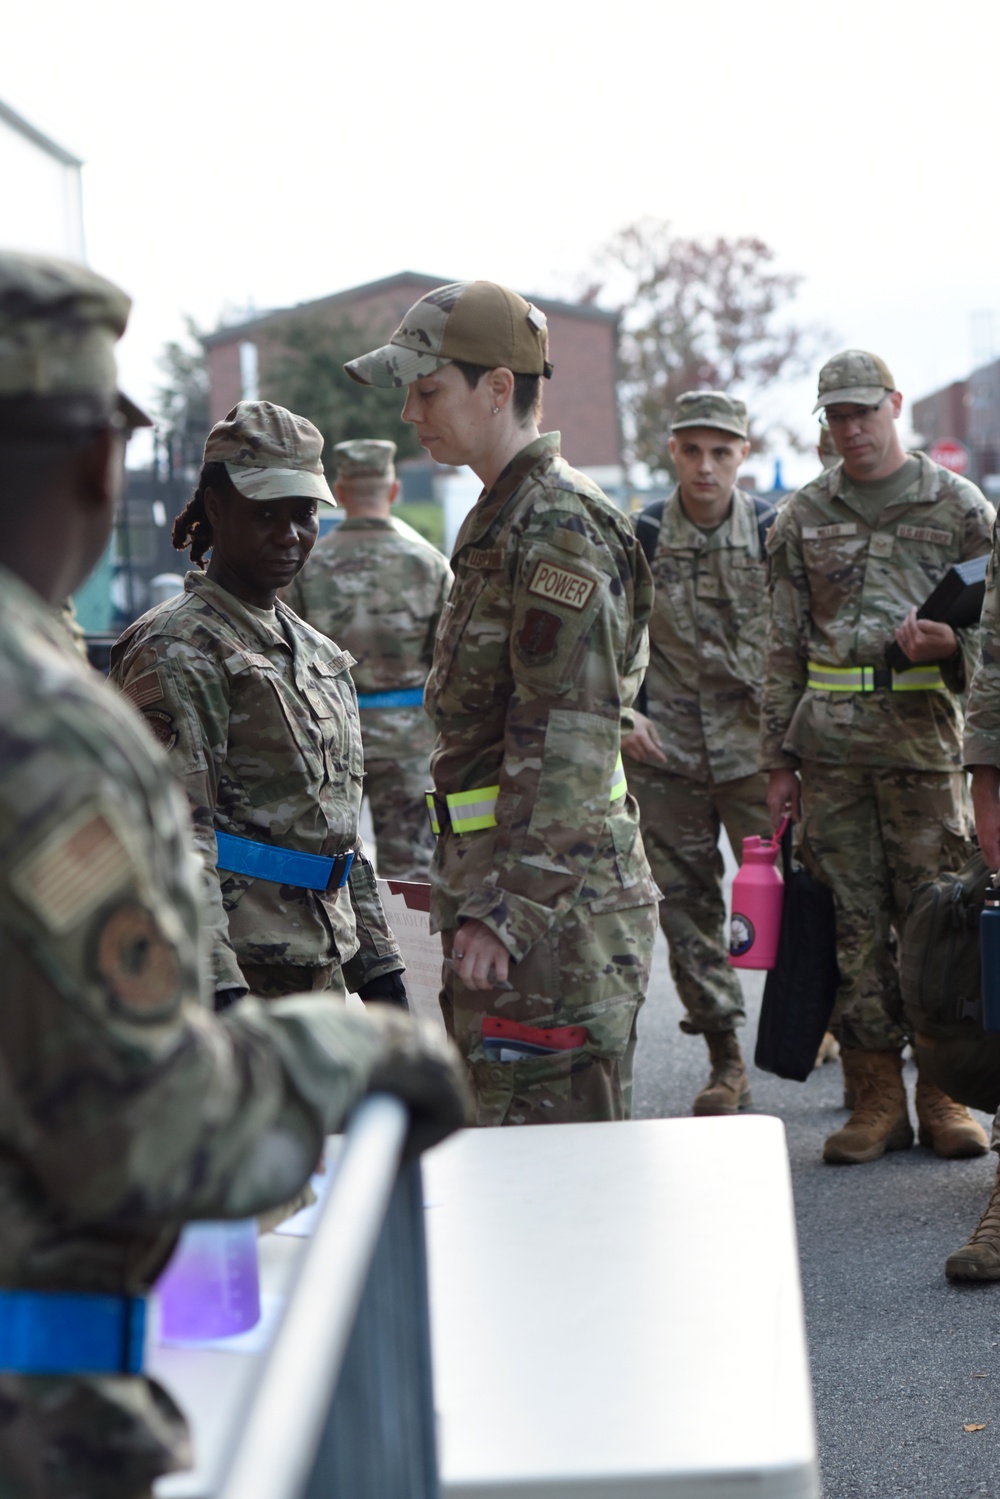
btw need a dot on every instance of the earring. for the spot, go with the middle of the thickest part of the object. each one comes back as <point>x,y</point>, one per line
<point>496,411</point>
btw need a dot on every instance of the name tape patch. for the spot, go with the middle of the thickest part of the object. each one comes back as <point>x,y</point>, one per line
<point>825,533</point>
<point>484,559</point>
<point>925,533</point>
<point>561,585</point>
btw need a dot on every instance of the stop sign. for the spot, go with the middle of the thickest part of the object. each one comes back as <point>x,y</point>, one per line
<point>950,454</point>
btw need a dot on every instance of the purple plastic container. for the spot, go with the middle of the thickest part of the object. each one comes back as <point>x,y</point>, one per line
<point>211,1288</point>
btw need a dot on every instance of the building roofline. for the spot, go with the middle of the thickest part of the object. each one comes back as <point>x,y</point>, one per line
<point>390,283</point>
<point>37,138</point>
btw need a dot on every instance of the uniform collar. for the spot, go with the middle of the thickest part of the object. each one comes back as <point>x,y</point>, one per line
<point>678,530</point>
<point>925,491</point>
<point>491,503</point>
<point>256,630</point>
<point>20,598</point>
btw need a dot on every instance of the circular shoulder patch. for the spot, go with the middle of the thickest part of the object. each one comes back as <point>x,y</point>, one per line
<point>137,966</point>
<point>161,726</point>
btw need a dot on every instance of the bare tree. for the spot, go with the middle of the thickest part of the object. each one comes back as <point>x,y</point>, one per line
<point>701,315</point>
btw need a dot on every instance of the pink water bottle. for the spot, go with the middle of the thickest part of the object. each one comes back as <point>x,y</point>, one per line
<point>211,1286</point>
<point>758,893</point>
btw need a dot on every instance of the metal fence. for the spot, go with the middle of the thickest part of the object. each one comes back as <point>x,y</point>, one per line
<point>343,1408</point>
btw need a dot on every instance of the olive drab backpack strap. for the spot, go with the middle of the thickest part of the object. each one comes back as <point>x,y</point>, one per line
<point>765,513</point>
<point>647,530</point>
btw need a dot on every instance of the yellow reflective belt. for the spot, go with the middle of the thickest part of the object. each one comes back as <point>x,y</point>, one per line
<point>470,811</point>
<point>823,678</point>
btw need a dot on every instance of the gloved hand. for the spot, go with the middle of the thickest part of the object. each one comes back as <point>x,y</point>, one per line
<point>388,987</point>
<point>424,1069</point>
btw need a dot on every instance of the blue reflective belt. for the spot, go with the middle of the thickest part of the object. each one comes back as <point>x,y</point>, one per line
<point>406,697</point>
<point>71,1332</point>
<point>285,866</point>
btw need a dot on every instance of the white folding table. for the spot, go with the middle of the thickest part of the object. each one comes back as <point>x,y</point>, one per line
<point>615,1312</point>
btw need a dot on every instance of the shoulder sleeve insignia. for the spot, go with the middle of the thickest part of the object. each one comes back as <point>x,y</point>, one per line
<point>536,640</point>
<point>73,872</point>
<point>138,968</point>
<point>161,726</point>
<point>561,585</point>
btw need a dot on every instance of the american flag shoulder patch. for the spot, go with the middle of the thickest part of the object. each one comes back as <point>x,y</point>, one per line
<point>73,871</point>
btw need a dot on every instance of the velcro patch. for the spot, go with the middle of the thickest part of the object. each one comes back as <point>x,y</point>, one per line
<point>561,585</point>
<point>569,541</point>
<point>484,559</point>
<point>335,665</point>
<point>145,689</point>
<point>536,640</point>
<point>825,533</point>
<point>137,966</point>
<point>161,726</point>
<point>881,544</point>
<point>73,871</point>
<point>925,533</point>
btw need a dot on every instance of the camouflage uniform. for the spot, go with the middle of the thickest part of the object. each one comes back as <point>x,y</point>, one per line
<point>539,655</point>
<point>258,714</point>
<point>127,1108</point>
<point>377,587</point>
<point>702,689</point>
<point>882,786</point>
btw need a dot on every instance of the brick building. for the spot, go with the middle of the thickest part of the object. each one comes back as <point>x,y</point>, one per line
<point>968,411</point>
<point>580,400</point>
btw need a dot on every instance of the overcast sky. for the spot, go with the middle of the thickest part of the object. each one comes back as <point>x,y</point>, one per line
<point>271,153</point>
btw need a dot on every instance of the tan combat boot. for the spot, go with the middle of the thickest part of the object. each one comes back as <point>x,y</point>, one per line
<point>947,1127</point>
<point>980,1258</point>
<point>880,1121</point>
<point>728,1089</point>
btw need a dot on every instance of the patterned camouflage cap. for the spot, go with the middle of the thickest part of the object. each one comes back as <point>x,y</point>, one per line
<point>479,322</point>
<point>59,323</point>
<point>710,408</point>
<point>854,376</point>
<point>363,458</point>
<point>269,453</point>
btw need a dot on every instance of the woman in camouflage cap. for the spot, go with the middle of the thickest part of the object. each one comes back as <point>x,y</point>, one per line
<point>259,715</point>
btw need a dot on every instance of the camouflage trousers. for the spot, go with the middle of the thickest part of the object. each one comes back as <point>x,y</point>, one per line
<point>681,820</point>
<point>591,970</point>
<point>403,838</point>
<point>873,835</point>
<point>273,980</point>
<point>87,1438</point>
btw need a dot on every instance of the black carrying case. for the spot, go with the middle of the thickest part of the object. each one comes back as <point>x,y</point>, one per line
<point>801,987</point>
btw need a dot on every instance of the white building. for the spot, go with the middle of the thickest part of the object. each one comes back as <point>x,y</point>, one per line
<point>41,202</point>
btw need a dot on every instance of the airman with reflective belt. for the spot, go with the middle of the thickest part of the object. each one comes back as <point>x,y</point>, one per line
<point>375,586</point>
<point>540,885</point>
<point>871,758</point>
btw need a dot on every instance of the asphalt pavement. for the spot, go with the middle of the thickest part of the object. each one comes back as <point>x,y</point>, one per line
<point>901,1360</point>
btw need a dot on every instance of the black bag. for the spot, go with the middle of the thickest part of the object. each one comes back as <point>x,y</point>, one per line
<point>939,974</point>
<point>801,988</point>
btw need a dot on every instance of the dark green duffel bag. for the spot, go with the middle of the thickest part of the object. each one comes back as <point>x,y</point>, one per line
<point>942,986</point>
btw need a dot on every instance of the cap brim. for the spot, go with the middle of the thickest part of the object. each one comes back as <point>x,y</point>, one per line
<point>280,484</point>
<point>854,395</point>
<point>133,414</point>
<point>393,365</point>
<point>711,427</point>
